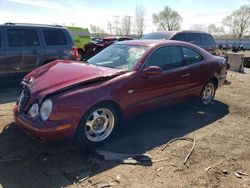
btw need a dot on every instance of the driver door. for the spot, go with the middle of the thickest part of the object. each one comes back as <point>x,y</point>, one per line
<point>155,91</point>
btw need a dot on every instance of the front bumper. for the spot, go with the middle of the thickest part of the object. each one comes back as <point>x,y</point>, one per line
<point>46,131</point>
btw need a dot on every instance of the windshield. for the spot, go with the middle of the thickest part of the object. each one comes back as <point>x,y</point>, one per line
<point>119,56</point>
<point>157,36</point>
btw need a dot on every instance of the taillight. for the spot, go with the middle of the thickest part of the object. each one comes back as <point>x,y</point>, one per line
<point>74,52</point>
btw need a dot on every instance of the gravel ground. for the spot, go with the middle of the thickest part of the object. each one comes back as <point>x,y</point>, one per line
<point>221,132</point>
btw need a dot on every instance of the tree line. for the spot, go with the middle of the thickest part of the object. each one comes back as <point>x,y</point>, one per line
<point>236,24</point>
<point>126,25</point>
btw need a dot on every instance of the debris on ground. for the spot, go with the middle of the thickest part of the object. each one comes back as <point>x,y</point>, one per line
<point>159,169</point>
<point>237,175</point>
<point>76,179</point>
<point>182,138</point>
<point>225,172</point>
<point>242,173</point>
<point>138,158</point>
<point>10,160</point>
<point>208,168</point>
<point>124,158</point>
<point>103,184</point>
<point>118,178</point>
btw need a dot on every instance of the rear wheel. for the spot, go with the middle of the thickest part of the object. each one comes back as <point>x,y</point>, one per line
<point>208,92</point>
<point>97,125</point>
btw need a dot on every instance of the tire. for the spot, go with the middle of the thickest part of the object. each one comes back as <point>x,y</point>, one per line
<point>208,93</point>
<point>97,125</point>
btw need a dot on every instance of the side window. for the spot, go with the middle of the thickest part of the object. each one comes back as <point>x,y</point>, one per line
<point>167,58</point>
<point>191,56</point>
<point>194,38</point>
<point>54,37</point>
<point>180,37</point>
<point>207,39</point>
<point>22,37</point>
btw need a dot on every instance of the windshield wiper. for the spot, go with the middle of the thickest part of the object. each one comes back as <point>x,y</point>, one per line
<point>108,66</point>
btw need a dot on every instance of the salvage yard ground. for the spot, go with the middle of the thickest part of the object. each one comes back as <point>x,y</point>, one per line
<point>221,131</point>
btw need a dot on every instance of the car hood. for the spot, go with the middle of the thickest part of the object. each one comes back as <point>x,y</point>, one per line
<point>61,74</point>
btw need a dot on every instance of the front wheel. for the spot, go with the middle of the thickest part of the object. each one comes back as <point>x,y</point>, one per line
<point>97,125</point>
<point>208,93</point>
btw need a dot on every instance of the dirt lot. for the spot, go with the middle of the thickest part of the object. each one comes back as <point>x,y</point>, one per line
<point>222,139</point>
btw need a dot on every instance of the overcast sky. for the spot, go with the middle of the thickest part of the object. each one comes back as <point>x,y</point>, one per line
<point>99,12</point>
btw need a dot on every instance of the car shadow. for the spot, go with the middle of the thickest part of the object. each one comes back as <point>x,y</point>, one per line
<point>28,163</point>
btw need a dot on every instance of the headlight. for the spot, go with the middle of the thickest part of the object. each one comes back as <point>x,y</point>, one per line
<point>46,109</point>
<point>33,110</point>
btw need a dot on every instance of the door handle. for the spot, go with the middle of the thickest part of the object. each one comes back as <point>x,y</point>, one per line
<point>185,75</point>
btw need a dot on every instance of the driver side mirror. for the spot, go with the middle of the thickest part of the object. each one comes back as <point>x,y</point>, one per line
<point>152,71</point>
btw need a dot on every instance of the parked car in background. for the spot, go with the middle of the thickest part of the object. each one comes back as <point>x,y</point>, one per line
<point>202,39</point>
<point>24,47</point>
<point>96,39</point>
<point>81,36</point>
<point>128,78</point>
<point>98,45</point>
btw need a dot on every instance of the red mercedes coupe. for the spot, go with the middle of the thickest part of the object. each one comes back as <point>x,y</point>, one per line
<point>66,98</point>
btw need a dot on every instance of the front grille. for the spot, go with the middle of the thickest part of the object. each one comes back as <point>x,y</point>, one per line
<point>24,98</point>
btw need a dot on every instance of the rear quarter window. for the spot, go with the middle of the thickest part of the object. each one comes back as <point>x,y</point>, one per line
<point>22,37</point>
<point>190,56</point>
<point>207,39</point>
<point>54,37</point>
<point>194,38</point>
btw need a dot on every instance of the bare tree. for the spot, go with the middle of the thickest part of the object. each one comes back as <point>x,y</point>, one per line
<point>126,25</point>
<point>140,14</point>
<point>97,30</point>
<point>198,27</point>
<point>238,21</point>
<point>117,24</point>
<point>215,30</point>
<point>110,28</point>
<point>167,19</point>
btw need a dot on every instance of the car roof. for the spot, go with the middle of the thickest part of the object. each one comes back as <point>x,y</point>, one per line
<point>158,43</point>
<point>116,37</point>
<point>169,34</point>
<point>150,43</point>
<point>175,32</point>
<point>9,24</point>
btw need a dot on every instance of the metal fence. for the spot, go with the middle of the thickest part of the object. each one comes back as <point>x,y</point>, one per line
<point>224,42</point>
